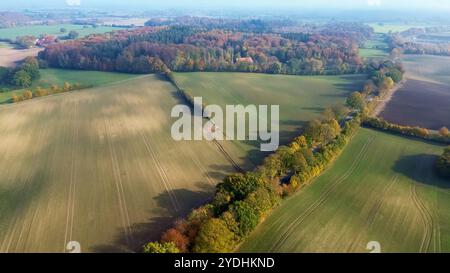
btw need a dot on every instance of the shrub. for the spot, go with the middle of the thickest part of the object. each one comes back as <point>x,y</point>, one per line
<point>55,88</point>
<point>40,92</point>
<point>240,185</point>
<point>214,237</point>
<point>67,87</point>
<point>195,219</point>
<point>356,101</point>
<point>246,215</point>
<point>262,200</point>
<point>443,131</point>
<point>155,247</point>
<point>27,95</point>
<point>16,98</point>
<point>177,238</point>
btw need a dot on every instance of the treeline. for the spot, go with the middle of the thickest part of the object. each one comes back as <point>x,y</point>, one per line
<point>408,47</point>
<point>378,123</point>
<point>209,23</point>
<point>242,200</point>
<point>188,97</point>
<point>383,76</point>
<point>443,164</point>
<point>41,92</point>
<point>183,48</point>
<point>21,76</point>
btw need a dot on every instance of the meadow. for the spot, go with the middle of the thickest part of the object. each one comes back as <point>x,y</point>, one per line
<point>301,98</point>
<point>37,30</point>
<point>375,48</point>
<point>99,166</point>
<point>382,188</point>
<point>394,27</point>
<point>423,100</point>
<point>50,77</point>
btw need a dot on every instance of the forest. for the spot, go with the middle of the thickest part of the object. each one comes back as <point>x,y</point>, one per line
<point>325,51</point>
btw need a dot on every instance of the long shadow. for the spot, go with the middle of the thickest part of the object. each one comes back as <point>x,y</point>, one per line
<point>313,109</point>
<point>141,233</point>
<point>414,167</point>
<point>354,82</point>
<point>16,199</point>
<point>219,171</point>
<point>338,95</point>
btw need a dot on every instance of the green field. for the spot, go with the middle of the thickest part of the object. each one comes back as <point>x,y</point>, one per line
<point>37,30</point>
<point>382,188</point>
<point>372,53</point>
<point>375,48</point>
<point>99,166</point>
<point>301,98</point>
<point>59,76</point>
<point>397,27</point>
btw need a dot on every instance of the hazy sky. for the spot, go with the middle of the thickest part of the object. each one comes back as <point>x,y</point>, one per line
<point>307,4</point>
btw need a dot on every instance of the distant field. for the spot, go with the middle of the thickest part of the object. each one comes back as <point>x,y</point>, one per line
<point>37,30</point>
<point>400,27</point>
<point>382,188</point>
<point>9,55</point>
<point>139,22</point>
<point>441,38</point>
<point>373,53</point>
<point>425,97</point>
<point>99,167</point>
<point>427,68</point>
<point>301,98</point>
<point>375,48</point>
<point>59,76</point>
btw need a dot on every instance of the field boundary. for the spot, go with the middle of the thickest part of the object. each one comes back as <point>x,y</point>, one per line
<point>190,100</point>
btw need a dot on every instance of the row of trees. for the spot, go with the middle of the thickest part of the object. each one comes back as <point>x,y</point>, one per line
<point>378,123</point>
<point>409,47</point>
<point>40,92</point>
<point>182,48</point>
<point>21,76</point>
<point>243,199</point>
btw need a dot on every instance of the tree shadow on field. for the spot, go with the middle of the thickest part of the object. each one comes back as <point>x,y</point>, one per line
<point>151,230</point>
<point>354,83</point>
<point>219,171</point>
<point>316,110</point>
<point>16,199</point>
<point>416,167</point>
<point>337,95</point>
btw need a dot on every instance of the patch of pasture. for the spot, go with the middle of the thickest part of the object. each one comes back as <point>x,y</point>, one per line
<point>301,98</point>
<point>38,30</point>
